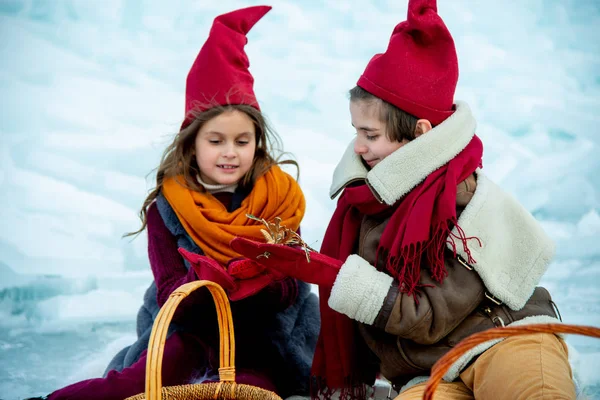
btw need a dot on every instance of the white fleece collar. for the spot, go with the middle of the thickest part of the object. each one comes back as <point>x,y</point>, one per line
<point>405,168</point>
<point>515,251</point>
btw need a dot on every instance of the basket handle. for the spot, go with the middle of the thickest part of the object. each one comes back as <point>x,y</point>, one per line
<point>442,365</point>
<point>160,328</point>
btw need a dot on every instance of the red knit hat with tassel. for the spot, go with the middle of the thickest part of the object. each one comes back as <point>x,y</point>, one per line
<point>220,73</point>
<point>419,70</point>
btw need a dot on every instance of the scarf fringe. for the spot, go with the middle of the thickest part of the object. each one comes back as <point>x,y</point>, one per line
<point>463,238</point>
<point>407,265</point>
<point>351,390</point>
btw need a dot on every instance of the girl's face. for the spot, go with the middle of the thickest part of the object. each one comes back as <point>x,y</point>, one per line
<point>371,144</point>
<point>225,148</point>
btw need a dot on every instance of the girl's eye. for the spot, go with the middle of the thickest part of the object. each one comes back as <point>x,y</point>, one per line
<point>242,142</point>
<point>372,137</point>
<point>214,141</point>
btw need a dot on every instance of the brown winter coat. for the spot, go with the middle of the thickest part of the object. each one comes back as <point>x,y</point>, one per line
<point>408,338</point>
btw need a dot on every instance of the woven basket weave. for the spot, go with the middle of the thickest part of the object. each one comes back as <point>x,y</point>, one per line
<point>226,388</point>
<point>442,366</point>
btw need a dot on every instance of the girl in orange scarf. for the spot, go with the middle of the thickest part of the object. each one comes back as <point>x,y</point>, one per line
<point>218,170</point>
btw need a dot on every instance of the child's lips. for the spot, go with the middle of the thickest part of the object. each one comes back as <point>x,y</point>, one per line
<point>371,163</point>
<point>227,167</point>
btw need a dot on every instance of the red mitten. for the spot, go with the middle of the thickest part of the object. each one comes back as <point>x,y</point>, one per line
<point>240,285</point>
<point>244,268</point>
<point>208,269</point>
<point>250,277</point>
<point>290,261</point>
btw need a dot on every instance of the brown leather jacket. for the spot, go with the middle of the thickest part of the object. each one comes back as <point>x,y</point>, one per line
<point>408,338</point>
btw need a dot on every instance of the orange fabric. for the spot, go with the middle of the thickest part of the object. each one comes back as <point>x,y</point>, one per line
<point>206,220</point>
<point>518,368</point>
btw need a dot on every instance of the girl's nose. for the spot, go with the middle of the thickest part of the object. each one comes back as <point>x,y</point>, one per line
<point>229,151</point>
<point>359,147</point>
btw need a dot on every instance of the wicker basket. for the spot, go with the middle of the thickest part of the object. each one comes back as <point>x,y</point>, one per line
<point>226,388</point>
<point>443,364</point>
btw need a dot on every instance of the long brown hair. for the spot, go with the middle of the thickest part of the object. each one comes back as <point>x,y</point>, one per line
<point>179,159</point>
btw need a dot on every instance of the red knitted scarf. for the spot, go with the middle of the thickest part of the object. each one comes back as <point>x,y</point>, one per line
<point>417,232</point>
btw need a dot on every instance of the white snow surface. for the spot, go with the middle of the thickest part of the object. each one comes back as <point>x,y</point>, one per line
<point>92,92</point>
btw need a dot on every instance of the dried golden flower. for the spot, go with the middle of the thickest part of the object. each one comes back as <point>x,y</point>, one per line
<point>279,234</point>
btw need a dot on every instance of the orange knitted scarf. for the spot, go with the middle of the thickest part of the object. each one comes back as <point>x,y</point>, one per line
<point>212,227</point>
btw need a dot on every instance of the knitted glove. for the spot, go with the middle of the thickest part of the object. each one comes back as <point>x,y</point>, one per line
<point>290,261</point>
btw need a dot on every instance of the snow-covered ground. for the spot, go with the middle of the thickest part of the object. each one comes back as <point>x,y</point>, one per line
<point>92,91</point>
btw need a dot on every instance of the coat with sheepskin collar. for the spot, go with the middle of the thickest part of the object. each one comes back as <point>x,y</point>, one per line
<point>500,288</point>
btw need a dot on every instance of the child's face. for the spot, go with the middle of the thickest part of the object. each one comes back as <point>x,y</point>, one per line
<point>371,144</point>
<point>225,148</point>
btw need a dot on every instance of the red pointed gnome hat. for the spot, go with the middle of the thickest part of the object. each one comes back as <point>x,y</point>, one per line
<point>419,70</point>
<point>220,72</point>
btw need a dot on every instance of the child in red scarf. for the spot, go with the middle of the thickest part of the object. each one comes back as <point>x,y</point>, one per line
<point>415,258</point>
<point>218,170</point>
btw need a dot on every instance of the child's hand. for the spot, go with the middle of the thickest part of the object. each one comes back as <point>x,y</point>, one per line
<point>244,268</point>
<point>237,287</point>
<point>208,269</point>
<point>289,261</point>
<point>249,287</point>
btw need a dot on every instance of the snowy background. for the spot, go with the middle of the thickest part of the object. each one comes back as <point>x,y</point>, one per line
<point>92,91</point>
